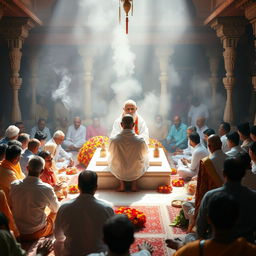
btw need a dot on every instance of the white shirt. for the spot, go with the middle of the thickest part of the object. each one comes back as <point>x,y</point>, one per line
<point>76,137</point>
<point>139,253</point>
<point>199,153</point>
<point>143,129</point>
<point>200,131</point>
<point>218,158</point>
<point>29,197</point>
<point>224,141</point>
<point>45,131</point>
<point>128,156</point>
<point>235,151</point>
<point>78,226</point>
<point>60,152</point>
<point>195,112</point>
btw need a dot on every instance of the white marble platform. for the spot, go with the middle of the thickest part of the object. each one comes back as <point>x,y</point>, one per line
<point>155,175</point>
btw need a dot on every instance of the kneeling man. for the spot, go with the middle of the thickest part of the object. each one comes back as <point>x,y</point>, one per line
<point>128,155</point>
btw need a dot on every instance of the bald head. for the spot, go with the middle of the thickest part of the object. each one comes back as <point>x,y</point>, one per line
<point>127,122</point>
<point>177,121</point>
<point>214,143</point>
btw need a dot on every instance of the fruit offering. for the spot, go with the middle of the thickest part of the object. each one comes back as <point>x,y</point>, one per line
<point>71,171</point>
<point>164,189</point>
<point>178,182</point>
<point>191,187</point>
<point>73,189</point>
<point>173,171</point>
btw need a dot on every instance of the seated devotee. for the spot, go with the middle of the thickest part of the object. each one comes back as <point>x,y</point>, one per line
<point>223,215</point>
<point>42,138</point>
<point>245,226</point>
<point>95,129</point>
<point>10,168</point>
<point>5,209</point>
<point>10,247</point>
<point>118,235</point>
<point>253,133</point>
<point>21,126</point>
<point>140,127</point>
<point>33,147</point>
<point>79,222</point>
<point>224,129</point>
<point>30,217</point>
<point>210,173</point>
<point>244,133</point>
<point>60,154</point>
<point>76,136</point>
<point>11,133</point>
<point>190,168</point>
<point>177,137</point>
<point>233,144</point>
<point>197,110</point>
<point>252,153</point>
<point>128,155</point>
<point>201,127</point>
<point>208,132</point>
<point>159,129</point>
<point>41,126</point>
<point>3,148</point>
<point>23,139</point>
<point>41,112</point>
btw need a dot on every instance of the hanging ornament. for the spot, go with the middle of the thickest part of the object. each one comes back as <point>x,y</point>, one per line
<point>127,5</point>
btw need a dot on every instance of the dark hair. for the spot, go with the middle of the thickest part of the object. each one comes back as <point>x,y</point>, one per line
<point>127,121</point>
<point>40,120</point>
<point>14,143</point>
<point>244,128</point>
<point>118,233</point>
<point>33,144</point>
<point>40,136</point>
<point>253,147</point>
<point>226,126</point>
<point>12,152</point>
<point>3,148</point>
<point>233,137</point>
<point>209,132</point>
<point>87,181</point>
<point>194,136</point>
<point>223,210</point>
<point>4,221</point>
<point>245,160</point>
<point>44,154</point>
<point>23,137</point>
<point>253,130</point>
<point>233,169</point>
<point>18,123</point>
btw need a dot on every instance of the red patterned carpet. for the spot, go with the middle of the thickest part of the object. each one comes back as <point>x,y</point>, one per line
<point>173,212</point>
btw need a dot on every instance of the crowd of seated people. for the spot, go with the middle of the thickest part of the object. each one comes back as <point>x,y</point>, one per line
<point>223,167</point>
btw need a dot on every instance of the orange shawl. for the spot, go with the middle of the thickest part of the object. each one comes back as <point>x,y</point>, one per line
<point>136,126</point>
<point>15,168</point>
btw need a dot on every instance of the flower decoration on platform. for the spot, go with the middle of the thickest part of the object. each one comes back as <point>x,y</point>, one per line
<point>86,152</point>
<point>71,171</point>
<point>153,142</point>
<point>164,189</point>
<point>178,182</point>
<point>173,171</point>
<point>138,218</point>
<point>73,189</point>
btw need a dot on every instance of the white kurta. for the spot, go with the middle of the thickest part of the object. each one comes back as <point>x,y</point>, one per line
<point>75,137</point>
<point>128,156</point>
<point>143,129</point>
<point>224,141</point>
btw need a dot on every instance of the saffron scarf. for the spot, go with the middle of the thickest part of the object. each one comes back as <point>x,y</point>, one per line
<point>136,126</point>
<point>14,167</point>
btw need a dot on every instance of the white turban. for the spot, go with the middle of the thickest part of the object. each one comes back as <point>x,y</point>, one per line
<point>12,131</point>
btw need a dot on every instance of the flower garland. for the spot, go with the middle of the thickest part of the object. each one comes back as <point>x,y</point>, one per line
<point>166,189</point>
<point>138,218</point>
<point>153,142</point>
<point>178,182</point>
<point>173,171</point>
<point>86,152</point>
<point>73,189</point>
<point>71,171</point>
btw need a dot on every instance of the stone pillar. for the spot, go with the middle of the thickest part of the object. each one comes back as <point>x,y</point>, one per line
<point>249,8</point>
<point>163,55</point>
<point>14,31</point>
<point>229,30</point>
<point>88,78</point>
<point>33,82</point>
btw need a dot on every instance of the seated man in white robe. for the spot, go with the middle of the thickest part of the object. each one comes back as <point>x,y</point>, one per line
<point>140,127</point>
<point>189,168</point>
<point>128,155</point>
<point>233,141</point>
<point>76,136</point>
<point>60,154</point>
